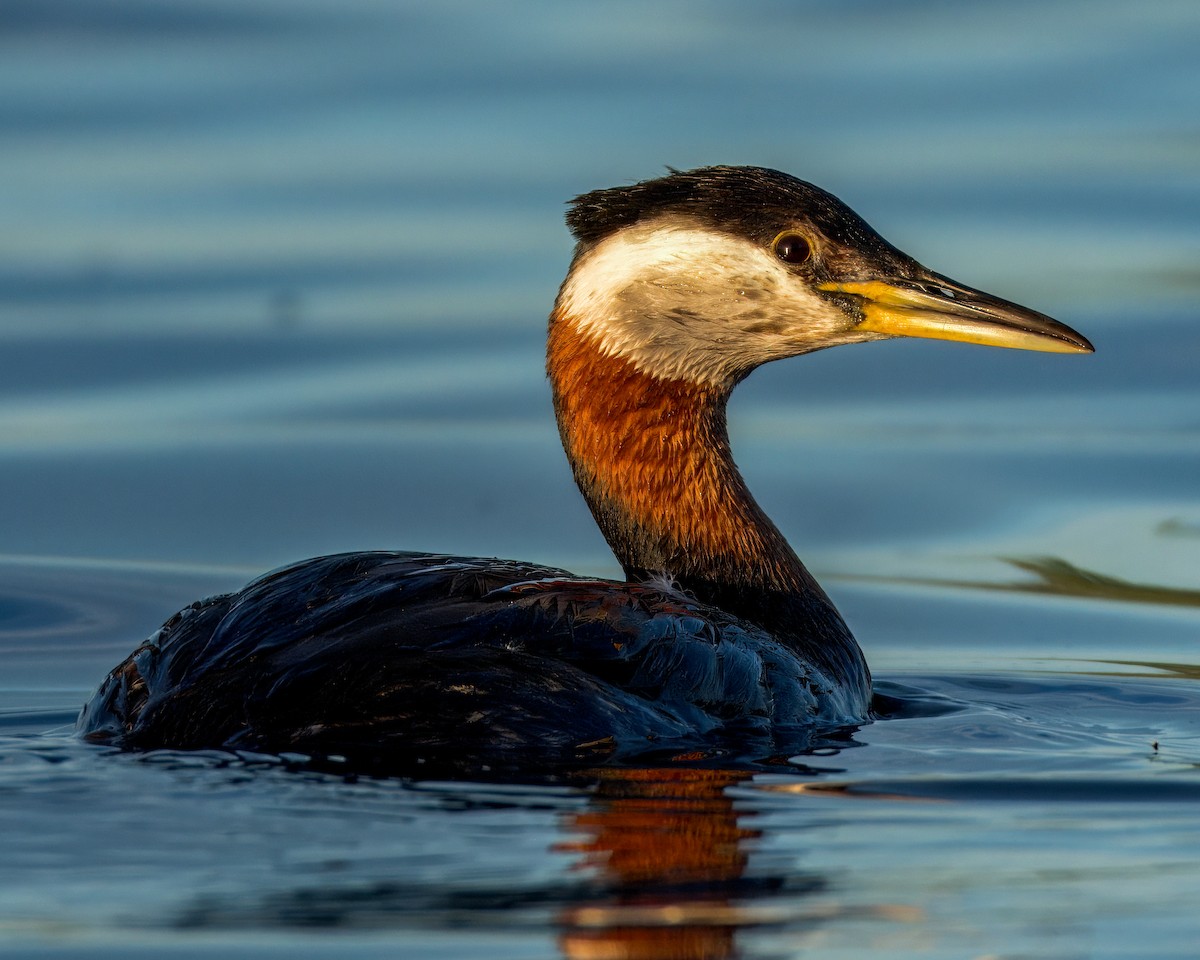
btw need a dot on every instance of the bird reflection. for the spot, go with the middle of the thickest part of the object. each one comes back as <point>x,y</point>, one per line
<point>665,866</point>
<point>666,848</point>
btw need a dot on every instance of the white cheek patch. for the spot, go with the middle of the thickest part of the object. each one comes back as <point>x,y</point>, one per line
<point>681,302</point>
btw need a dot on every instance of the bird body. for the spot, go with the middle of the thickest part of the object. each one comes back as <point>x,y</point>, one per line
<point>718,639</point>
<point>397,659</point>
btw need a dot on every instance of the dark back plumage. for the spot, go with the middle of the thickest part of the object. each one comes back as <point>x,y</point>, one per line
<point>395,660</point>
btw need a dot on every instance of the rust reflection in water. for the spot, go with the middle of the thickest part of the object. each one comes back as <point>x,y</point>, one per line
<point>669,856</point>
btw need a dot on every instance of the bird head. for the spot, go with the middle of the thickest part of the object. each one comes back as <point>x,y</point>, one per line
<point>703,275</point>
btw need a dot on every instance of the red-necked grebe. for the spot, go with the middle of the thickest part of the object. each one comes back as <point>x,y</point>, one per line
<point>719,637</point>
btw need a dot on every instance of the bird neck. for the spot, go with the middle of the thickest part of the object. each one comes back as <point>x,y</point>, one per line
<point>652,459</point>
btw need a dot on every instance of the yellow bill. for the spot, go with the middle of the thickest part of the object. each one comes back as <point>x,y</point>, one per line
<point>940,309</point>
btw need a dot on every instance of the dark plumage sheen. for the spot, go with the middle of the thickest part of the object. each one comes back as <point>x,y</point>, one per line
<point>395,659</point>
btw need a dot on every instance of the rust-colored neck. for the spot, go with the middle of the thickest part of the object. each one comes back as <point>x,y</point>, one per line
<point>652,459</point>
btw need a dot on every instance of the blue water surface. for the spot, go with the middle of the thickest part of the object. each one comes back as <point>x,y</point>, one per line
<point>273,283</point>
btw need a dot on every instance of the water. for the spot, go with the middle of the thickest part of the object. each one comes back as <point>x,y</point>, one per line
<point>273,283</point>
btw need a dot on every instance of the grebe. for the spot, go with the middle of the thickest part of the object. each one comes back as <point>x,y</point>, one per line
<point>718,639</point>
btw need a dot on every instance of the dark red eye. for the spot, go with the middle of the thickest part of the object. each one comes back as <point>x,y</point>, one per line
<point>792,248</point>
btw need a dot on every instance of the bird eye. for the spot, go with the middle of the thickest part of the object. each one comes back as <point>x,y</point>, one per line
<point>792,248</point>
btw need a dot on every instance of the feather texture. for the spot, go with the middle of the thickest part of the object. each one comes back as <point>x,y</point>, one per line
<point>394,658</point>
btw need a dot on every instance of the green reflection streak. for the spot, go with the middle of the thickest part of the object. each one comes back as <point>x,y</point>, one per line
<point>1061,578</point>
<point>1183,671</point>
<point>1057,577</point>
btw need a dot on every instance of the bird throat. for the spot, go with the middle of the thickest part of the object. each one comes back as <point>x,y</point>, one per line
<point>652,459</point>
